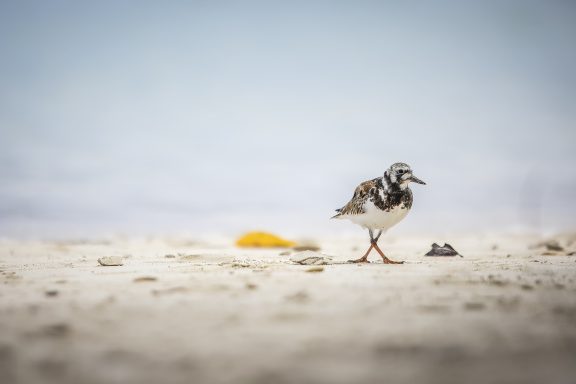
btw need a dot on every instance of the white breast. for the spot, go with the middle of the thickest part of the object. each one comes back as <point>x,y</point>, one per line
<point>375,218</point>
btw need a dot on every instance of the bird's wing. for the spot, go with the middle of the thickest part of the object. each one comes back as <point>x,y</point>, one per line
<point>356,205</point>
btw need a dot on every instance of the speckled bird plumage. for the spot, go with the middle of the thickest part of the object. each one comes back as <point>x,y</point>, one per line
<point>381,203</point>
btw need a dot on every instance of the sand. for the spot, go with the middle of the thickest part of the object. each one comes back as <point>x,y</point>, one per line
<point>192,310</point>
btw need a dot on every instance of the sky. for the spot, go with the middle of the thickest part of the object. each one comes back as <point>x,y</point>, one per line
<point>141,117</point>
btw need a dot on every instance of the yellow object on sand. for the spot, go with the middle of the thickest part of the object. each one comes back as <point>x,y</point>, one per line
<point>263,239</point>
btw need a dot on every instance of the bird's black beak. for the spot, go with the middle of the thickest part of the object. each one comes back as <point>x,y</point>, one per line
<point>416,180</point>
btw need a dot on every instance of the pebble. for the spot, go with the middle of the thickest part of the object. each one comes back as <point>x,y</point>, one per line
<point>310,258</point>
<point>307,247</point>
<point>549,245</point>
<point>110,261</point>
<point>445,250</point>
<point>144,279</point>
<point>51,293</point>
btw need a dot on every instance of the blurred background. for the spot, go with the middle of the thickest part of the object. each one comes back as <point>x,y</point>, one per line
<point>141,117</point>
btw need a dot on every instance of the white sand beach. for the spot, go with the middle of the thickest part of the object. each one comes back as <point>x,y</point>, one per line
<point>200,310</point>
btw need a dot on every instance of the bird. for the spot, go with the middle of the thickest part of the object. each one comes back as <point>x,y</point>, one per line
<point>379,204</point>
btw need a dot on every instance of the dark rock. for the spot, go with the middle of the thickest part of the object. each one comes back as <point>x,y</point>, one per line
<point>445,250</point>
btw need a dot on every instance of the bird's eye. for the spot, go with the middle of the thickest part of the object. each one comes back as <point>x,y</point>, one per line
<point>400,171</point>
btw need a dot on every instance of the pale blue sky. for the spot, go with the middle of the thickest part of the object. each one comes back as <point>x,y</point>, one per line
<point>149,117</point>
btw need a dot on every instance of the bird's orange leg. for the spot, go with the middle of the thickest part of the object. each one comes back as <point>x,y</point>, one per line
<point>384,258</point>
<point>363,259</point>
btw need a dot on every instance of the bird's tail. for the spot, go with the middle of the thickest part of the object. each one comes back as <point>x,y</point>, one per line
<point>338,215</point>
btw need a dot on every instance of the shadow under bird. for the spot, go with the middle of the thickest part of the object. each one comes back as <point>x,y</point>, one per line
<point>379,204</point>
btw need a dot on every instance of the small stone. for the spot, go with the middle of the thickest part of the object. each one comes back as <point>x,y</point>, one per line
<point>527,287</point>
<point>549,245</point>
<point>306,247</point>
<point>310,258</point>
<point>111,261</point>
<point>554,246</point>
<point>445,250</point>
<point>251,286</point>
<point>315,269</point>
<point>170,256</point>
<point>51,293</point>
<point>144,279</point>
<point>240,264</point>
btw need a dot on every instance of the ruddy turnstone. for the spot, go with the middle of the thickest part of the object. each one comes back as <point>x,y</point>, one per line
<point>379,204</point>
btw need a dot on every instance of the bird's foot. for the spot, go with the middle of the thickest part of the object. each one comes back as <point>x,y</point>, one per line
<point>388,261</point>
<point>385,259</point>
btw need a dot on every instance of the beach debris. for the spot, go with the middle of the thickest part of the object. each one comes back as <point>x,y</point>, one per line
<point>51,293</point>
<point>548,245</point>
<point>310,258</point>
<point>306,247</point>
<point>263,240</point>
<point>240,264</point>
<point>235,262</point>
<point>562,245</point>
<point>445,250</point>
<point>552,253</point>
<point>144,279</point>
<point>251,286</point>
<point>315,269</point>
<point>111,261</point>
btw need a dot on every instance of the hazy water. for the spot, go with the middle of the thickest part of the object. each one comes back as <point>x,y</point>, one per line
<point>144,117</point>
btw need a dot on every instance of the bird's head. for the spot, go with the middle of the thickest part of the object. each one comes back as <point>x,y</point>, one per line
<point>401,174</point>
